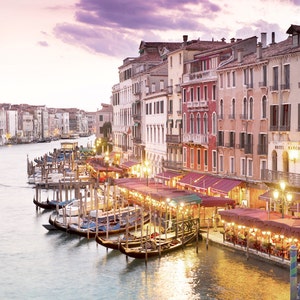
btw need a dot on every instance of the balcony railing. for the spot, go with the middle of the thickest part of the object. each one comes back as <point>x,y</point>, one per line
<point>172,138</point>
<point>171,164</point>
<point>196,138</point>
<point>291,179</point>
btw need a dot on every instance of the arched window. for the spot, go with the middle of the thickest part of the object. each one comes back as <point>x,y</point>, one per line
<point>214,123</point>
<point>205,123</point>
<point>221,109</point>
<point>251,109</point>
<point>233,109</point>
<point>244,109</point>
<point>198,124</point>
<point>191,123</point>
<point>264,107</point>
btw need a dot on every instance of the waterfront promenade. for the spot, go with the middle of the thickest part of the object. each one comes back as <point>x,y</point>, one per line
<point>216,238</point>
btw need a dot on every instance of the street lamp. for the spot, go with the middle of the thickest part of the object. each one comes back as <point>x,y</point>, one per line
<point>282,197</point>
<point>146,170</point>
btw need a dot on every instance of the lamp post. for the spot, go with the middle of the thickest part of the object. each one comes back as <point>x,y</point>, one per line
<point>282,197</point>
<point>146,170</point>
<point>106,161</point>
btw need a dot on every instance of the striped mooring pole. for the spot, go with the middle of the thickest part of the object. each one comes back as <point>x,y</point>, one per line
<point>293,273</point>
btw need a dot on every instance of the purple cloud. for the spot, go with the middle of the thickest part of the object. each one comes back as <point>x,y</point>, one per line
<point>43,43</point>
<point>115,27</point>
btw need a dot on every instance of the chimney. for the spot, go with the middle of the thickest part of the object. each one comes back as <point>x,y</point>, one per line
<point>185,38</point>
<point>273,37</point>
<point>232,40</point>
<point>259,50</point>
<point>264,39</point>
<point>240,55</point>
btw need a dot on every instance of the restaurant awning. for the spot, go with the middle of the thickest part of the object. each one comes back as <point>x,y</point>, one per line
<point>167,175</point>
<point>204,182</point>
<point>128,164</point>
<point>190,178</point>
<point>211,201</point>
<point>269,195</point>
<point>224,185</point>
<point>186,199</point>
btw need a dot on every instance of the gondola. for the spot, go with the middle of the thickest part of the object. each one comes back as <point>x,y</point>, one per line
<point>52,204</point>
<point>129,240</point>
<point>114,227</point>
<point>153,248</point>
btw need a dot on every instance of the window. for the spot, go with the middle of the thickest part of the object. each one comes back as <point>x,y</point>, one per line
<point>285,122</point>
<point>233,78</point>
<point>298,116</point>
<point>220,138</point>
<point>214,160</point>
<point>250,167</point>
<point>221,163</point>
<point>198,157</point>
<point>274,117</point>
<point>264,76</point>
<point>275,79</point>
<point>205,123</point>
<point>192,95</point>
<point>214,123</point>
<point>205,158</point>
<point>264,107</point>
<point>286,74</point>
<point>184,156</point>
<point>153,87</point>
<point>205,93</point>
<point>191,123</point>
<point>184,95</point>
<point>198,127</point>
<point>214,92</point>
<point>198,93</point>
<point>170,110</point>
<point>171,61</point>
<point>221,110</point>
<point>251,109</point>
<point>228,79</point>
<point>232,167</point>
<point>100,118</point>
<point>242,140</point>
<point>221,81</point>
<point>262,147</point>
<point>161,107</point>
<point>244,115</point>
<point>232,116</point>
<point>248,143</point>
<point>245,76</point>
<point>180,58</point>
<point>250,83</point>
<point>232,139</point>
<point>243,167</point>
<point>192,157</point>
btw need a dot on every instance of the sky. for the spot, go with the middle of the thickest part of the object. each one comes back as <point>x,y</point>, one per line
<point>67,53</point>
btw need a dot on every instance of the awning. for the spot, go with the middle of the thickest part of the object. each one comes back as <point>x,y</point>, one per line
<point>225,185</point>
<point>129,164</point>
<point>167,175</point>
<point>190,178</point>
<point>187,199</point>
<point>268,195</point>
<point>211,201</point>
<point>204,182</point>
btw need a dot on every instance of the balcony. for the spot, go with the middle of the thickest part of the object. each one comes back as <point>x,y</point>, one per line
<point>137,140</point>
<point>285,86</point>
<point>274,88</point>
<point>196,138</point>
<point>200,76</point>
<point>173,138</point>
<point>270,176</point>
<point>262,84</point>
<point>173,165</point>
<point>197,104</point>
<point>177,88</point>
<point>137,117</point>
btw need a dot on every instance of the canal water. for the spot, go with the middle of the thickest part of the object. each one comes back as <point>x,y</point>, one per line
<point>37,264</point>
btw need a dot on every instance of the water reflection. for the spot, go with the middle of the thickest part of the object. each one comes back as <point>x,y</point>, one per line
<point>36,264</point>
